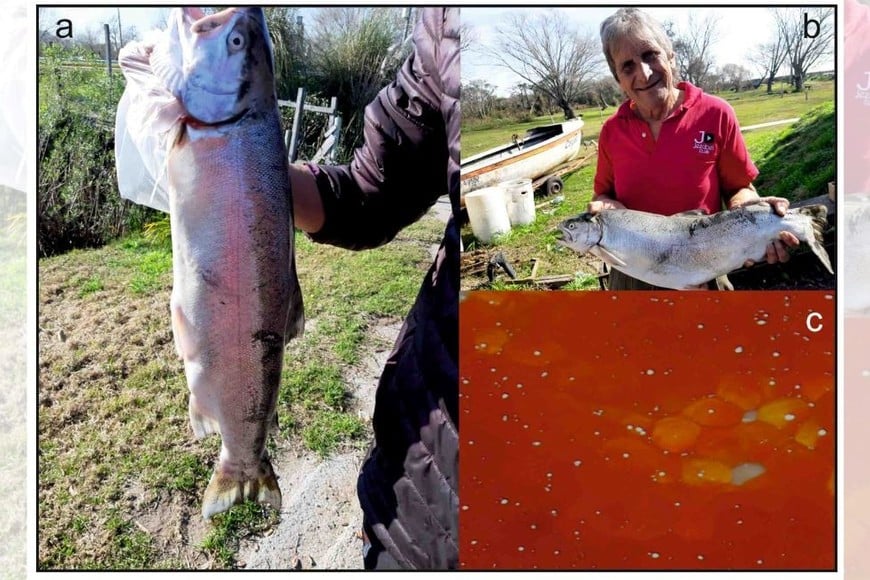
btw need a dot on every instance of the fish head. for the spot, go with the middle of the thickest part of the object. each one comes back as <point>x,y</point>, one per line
<point>581,233</point>
<point>223,63</point>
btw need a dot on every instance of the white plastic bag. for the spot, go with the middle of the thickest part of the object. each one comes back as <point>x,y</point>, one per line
<point>146,122</point>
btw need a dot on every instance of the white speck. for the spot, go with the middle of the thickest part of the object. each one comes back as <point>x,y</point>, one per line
<point>650,372</point>
<point>598,412</point>
<point>797,387</point>
<point>482,345</point>
<point>537,353</point>
<point>577,463</point>
<point>711,411</point>
<point>554,513</point>
<point>504,418</point>
<point>492,370</point>
<point>700,556</point>
<point>775,354</point>
<point>471,442</point>
<point>654,555</point>
<point>625,455</point>
<point>759,562</point>
<point>521,549</point>
<point>556,552</point>
<point>504,395</point>
<point>630,427</point>
<point>700,326</point>
<point>661,474</point>
<point>519,385</point>
<point>534,527</point>
<point>865,373</point>
<point>738,350</point>
<point>822,432</point>
<point>788,417</point>
<point>473,542</point>
<point>504,501</point>
<point>596,433</point>
<point>771,382</point>
<point>536,443</point>
<point>544,374</point>
<point>739,522</point>
<point>465,508</point>
<point>760,322</point>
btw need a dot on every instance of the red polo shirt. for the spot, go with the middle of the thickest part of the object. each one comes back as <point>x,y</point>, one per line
<point>699,153</point>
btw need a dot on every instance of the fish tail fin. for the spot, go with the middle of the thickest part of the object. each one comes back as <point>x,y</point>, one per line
<point>818,215</point>
<point>201,422</point>
<point>225,491</point>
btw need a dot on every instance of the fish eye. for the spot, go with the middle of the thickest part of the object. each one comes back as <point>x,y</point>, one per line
<point>571,226</point>
<point>236,41</point>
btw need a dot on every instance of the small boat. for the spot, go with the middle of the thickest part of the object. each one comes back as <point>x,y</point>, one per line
<point>539,151</point>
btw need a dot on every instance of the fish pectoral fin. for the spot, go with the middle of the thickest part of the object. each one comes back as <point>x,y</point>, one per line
<point>607,256</point>
<point>201,422</point>
<point>184,345</point>
<point>225,491</point>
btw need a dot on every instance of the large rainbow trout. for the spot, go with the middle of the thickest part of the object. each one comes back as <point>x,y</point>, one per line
<point>235,298</point>
<point>685,250</point>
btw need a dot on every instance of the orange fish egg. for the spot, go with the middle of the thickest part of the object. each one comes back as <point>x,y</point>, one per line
<point>700,471</point>
<point>737,392</point>
<point>675,434</point>
<point>782,412</point>
<point>808,434</point>
<point>713,412</point>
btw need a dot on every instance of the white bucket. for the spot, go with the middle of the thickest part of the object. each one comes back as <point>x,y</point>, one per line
<point>487,213</point>
<point>520,201</point>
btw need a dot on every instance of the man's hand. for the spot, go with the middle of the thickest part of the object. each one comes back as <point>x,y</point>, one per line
<point>776,250</point>
<point>601,203</point>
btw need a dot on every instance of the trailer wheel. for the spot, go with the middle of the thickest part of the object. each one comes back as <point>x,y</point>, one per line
<point>553,186</point>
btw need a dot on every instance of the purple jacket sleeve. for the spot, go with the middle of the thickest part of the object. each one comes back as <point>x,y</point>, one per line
<point>402,167</point>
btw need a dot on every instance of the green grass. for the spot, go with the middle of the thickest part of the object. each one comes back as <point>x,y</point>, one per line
<point>795,162</point>
<point>229,527</point>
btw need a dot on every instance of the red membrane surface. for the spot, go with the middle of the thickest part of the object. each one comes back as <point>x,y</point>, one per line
<point>648,430</point>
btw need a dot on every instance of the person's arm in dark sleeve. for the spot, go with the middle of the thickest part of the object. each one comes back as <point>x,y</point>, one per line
<point>401,168</point>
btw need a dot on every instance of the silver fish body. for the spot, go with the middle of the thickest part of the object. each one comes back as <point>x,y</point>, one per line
<point>686,250</point>
<point>235,300</point>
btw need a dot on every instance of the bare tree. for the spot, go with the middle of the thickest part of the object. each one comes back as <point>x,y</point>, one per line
<point>734,76</point>
<point>809,36</point>
<point>549,54</point>
<point>694,48</point>
<point>478,98</point>
<point>769,58</point>
<point>468,36</point>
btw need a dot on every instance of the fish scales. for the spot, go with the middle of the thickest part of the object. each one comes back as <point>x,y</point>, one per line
<point>686,250</point>
<point>236,300</point>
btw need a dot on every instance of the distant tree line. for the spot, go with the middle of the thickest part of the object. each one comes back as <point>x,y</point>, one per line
<point>562,66</point>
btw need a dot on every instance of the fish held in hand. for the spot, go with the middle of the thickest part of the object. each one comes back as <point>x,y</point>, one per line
<point>235,299</point>
<point>689,249</point>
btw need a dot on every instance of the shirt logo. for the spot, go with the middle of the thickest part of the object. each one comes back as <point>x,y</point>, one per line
<point>863,93</point>
<point>704,142</point>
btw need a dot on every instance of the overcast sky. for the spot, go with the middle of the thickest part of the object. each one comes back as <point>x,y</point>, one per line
<point>739,30</point>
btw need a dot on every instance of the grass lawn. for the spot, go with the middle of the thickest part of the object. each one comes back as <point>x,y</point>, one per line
<point>115,447</point>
